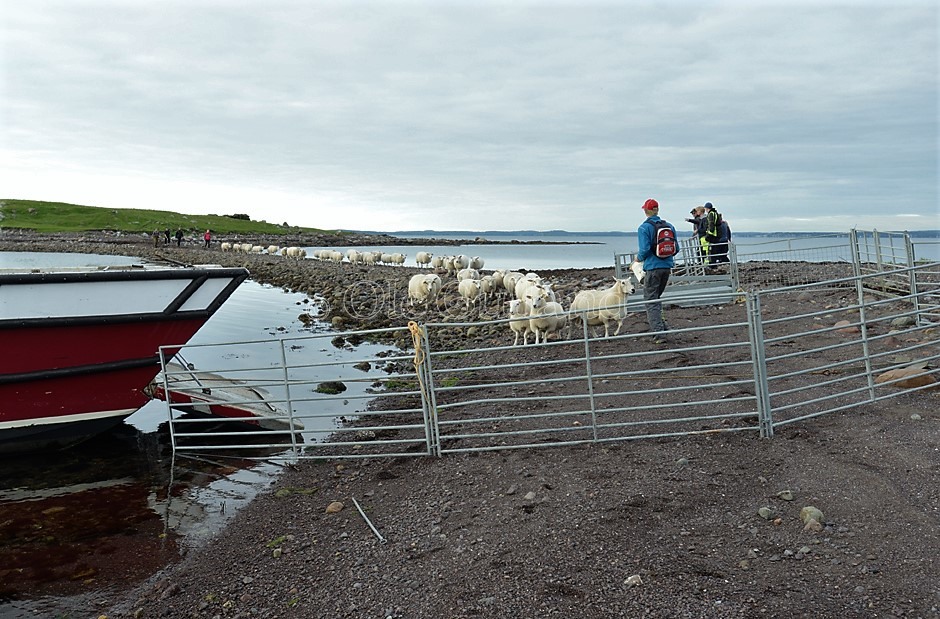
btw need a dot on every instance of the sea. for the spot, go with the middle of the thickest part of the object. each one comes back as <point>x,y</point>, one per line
<point>570,250</point>
<point>72,522</point>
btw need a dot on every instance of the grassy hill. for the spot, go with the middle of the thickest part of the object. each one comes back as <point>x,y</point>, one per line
<point>63,217</point>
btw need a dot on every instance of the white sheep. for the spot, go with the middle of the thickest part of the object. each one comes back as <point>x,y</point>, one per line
<point>352,255</point>
<point>225,247</point>
<point>463,274</point>
<point>424,288</point>
<point>519,320</point>
<point>469,289</point>
<point>296,252</point>
<point>531,279</point>
<point>256,249</point>
<point>398,258</point>
<point>603,307</point>
<point>272,249</point>
<point>510,279</point>
<point>461,262</point>
<point>488,287</point>
<point>545,315</point>
<point>476,263</point>
<point>437,262</point>
<point>423,258</point>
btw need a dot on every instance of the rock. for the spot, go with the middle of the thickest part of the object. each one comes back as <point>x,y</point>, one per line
<point>903,321</point>
<point>785,495</point>
<point>766,513</point>
<point>811,513</point>
<point>633,581</point>
<point>529,496</point>
<point>331,387</point>
<point>910,377</point>
<point>844,326</point>
<point>335,507</point>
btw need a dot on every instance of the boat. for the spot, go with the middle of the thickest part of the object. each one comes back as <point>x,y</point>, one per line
<point>196,392</point>
<point>79,345</point>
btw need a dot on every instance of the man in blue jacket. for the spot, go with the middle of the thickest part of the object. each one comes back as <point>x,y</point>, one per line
<point>657,269</point>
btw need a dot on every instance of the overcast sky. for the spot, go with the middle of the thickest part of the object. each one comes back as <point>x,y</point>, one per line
<point>399,115</point>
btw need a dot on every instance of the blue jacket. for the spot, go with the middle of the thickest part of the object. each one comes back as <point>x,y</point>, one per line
<point>646,237</point>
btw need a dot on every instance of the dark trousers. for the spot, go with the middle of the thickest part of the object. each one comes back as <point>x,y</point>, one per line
<point>655,284</point>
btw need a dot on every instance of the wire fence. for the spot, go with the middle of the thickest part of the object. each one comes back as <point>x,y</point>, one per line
<point>745,363</point>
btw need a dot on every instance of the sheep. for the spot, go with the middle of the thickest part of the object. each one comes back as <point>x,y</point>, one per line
<point>296,252</point>
<point>247,247</point>
<point>423,258</point>
<point>225,247</point>
<point>476,263</point>
<point>510,279</point>
<point>368,258</point>
<point>424,288</point>
<point>437,262</point>
<point>398,258</point>
<point>461,262</point>
<point>469,289</point>
<point>463,274</point>
<point>603,307</point>
<point>487,287</point>
<point>256,249</point>
<point>336,256</point>
<point>498,277</point>
<point>272,249</point>
<point>528,280</point>
<point>545,315</point>
<point>519,320</point>
<point>352,255</point>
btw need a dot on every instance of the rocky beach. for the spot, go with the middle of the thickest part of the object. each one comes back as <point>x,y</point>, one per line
<point>666,527</point>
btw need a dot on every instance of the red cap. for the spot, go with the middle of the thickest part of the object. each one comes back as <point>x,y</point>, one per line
<point>650,205</point>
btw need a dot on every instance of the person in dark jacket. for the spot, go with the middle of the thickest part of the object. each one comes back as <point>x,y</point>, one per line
<point>699,223</point>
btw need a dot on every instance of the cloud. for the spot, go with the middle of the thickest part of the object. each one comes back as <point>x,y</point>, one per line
<point>458,115</point>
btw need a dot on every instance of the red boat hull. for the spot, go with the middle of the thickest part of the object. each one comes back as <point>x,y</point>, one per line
<point>78,349</point>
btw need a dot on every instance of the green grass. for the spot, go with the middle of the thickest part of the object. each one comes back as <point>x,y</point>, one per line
<point>62,217</point>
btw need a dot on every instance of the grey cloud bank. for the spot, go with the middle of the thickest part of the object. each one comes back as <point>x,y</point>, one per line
<point>790,116</point>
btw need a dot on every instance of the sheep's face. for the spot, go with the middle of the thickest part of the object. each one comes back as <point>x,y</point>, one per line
<point>625,287</point>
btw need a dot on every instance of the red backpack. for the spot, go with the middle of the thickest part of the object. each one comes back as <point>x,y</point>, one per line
<point>666,244</point>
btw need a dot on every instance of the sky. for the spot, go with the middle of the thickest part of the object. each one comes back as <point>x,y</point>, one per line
<point>390,115</point>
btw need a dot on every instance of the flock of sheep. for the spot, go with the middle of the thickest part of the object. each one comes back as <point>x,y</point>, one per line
<point>272,250</point>
<point>533,306</point>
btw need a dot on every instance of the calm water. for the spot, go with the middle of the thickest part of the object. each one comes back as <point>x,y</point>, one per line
<point>590,251</point>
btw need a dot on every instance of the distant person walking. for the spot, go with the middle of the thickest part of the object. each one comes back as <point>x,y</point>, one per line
<point>179,236</point>
<point>156,238</point>
<point>207,237</point>
<point>657,268</point>
<point>166,236</point>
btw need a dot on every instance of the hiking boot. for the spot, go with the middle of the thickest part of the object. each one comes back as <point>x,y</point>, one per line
<point>661,339</point>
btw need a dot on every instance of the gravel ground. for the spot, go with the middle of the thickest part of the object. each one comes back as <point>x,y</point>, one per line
<point>706,526</point>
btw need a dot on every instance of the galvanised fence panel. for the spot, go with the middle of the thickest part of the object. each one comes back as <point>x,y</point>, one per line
<point>847,337</point>
<point>729,373</point>
<point>295,393</point>
<point>583,387</point>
